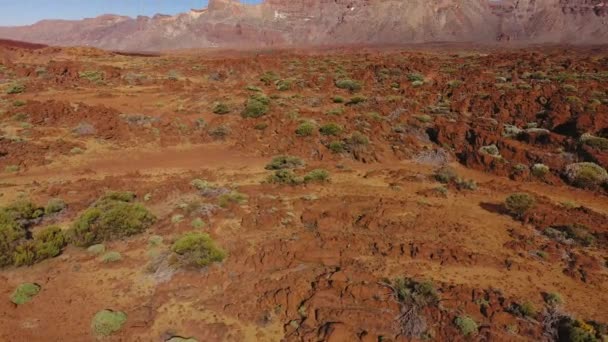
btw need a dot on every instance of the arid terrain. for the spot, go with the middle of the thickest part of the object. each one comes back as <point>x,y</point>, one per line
<point>432,192</point>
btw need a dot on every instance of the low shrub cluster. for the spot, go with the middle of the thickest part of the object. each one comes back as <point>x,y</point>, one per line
<point>256,106</point>
<point>285,162</point>
<point>519,203</point>
<point>197,249</point>
<point>114,216</point>
<point>586,175</point>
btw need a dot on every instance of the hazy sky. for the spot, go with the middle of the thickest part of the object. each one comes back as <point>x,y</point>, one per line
<point>25,12</point>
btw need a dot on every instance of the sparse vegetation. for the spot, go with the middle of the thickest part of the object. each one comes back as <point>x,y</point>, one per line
<point>331,129</point>
<point>348,84</point>
<point>256,106</point>
<point>197,249</point>
<point>233,197</point>
<point>519,204</point>
<point>54,206</point>
<point>221,108</point>
<point>113,216</point>
<point>285,162</point>
<point>286,177</point>
<point>92,76</point>
<point>586,175</point>
<point>305,129</point>
<point>337,146</point>
<point>466,325</point>
<point>110,257</point>
<point>108,322</point>
<point>25,293</point>
<point>317,175</point>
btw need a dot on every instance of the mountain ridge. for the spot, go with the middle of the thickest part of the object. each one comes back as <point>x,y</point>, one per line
<point>273,23</point>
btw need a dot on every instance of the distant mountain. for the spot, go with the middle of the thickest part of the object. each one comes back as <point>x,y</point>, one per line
<point>228,23</point>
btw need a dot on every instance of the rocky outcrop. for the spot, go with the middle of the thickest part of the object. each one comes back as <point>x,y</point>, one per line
<point>228,23</point>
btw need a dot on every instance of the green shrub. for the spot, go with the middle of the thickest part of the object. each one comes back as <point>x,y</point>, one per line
<point>519,203</point>
<point>337,146</point>
<point>155,241</point>
<point>111,257</point>
<point>305,129</point>
<point>417,84</point>
<point>112,217</point>
<point>337,99</point>
<point>335,111</point>
<point>269,77</point>
<point>527,309</point>
<point>577,331</point>
<point>490,150</point>
<point>233,197</point>
<point>92,76</point>
<point>261,126</point>
<point>12,168</point>
<point>285,177</point>
<point>197,249</point>
<point>15,220</point>
<point>177,218</point>
<point>256,106</point>
<point>47,243</point>
<point>413,77</point>
<point>24,293</point>
<point>466,184</point>
<point>358,139</point>
<point>412,292</point>
<point>424,118</point>
<point>54,206</point>
<point>348,84</point>
<point>586,175</point>
<point>97,249</point>
<point>553,299</point>
<point>330,129</point>
<point>15,88</point>
<point>107,322</point>
<point>356,100</point>
<point>123,196</point>
<point>317,175</point>
<point>285,162</point>
<point>445,175</point>
<point>197,223</point>
<point>579,233</point>
<point>595,142</point>
<point>221,108</point>
<point>540,170</point>
<point>200,184</point>
<point>284,85</point>
<point>466,325</point>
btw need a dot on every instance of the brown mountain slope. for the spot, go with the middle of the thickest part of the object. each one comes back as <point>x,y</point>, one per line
<point>228,23</point>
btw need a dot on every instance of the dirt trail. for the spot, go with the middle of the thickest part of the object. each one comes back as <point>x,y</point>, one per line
<point>119,162</point>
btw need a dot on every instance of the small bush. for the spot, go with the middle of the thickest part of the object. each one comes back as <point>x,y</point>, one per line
<point>577,331</point>
<point>200,184</point>
<point>330,129</point>
<point>413,77</point>
<point>553,299</point>
<point>15,88</point>
<point>490,150</point>
<point>12,168</point>
<point>305,129</point>
<point>107,322</point>
<point>197,249</point>
<point>540,170</point>
<point>412,292</point>
<point>256,106</point>
<point>219,132</point>
<point>177,218</point>
<point>92,76</point>
<point>337,146</point>
<point>24,293</point>
<point>285,177</point>
<point>337,99</point>
<point>112,217</point>
<point>221,108</point>
<point>234,197</point>
<point>527,309</point>
<point>284,85</point>
<point>577,232</point>
<point>48,243</point>
<point>197,223</point>
<point>586,175</point>
<point>317,175</point>
<point>348,84</point>
<point>97,249</point>
<point>54,206</point>
<point>466,325</point>
<point>285,162</point>
<point>269,77</point>
<point>519,203</point>
<point>111,257</point>
<point>336,111</point>
<point>466,184</point>
<point>445,175</point>
<point>356,100</point>
<point>595,142</point>
<point>417,84</point>
<point>358,139</point>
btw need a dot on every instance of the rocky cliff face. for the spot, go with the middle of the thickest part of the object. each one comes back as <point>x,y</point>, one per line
<point>228,23</point>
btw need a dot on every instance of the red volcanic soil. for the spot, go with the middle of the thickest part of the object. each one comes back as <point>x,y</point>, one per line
<point>406,237</point>
<point>7,43</point>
